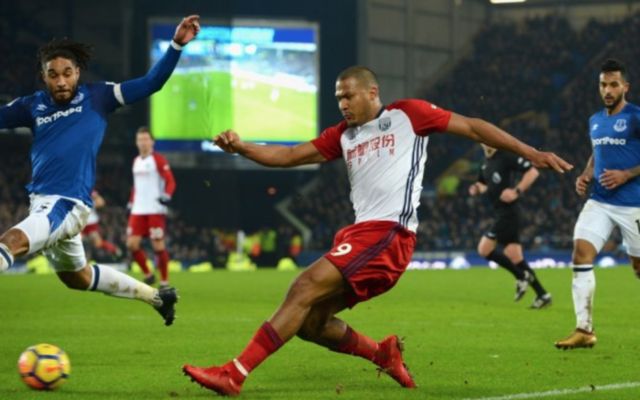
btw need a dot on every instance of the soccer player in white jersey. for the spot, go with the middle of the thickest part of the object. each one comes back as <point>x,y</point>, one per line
<point>384,148</point>
<point>68,120</point>
<point>153,186</point>
<point>613,170</point>
<point>92,229</point>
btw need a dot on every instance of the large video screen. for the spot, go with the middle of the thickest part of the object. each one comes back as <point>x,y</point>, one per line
<point>259,78</point>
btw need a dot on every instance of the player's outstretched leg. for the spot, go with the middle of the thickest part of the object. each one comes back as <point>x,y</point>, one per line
<point>323,328</point>
<point>227,379</point>
<point>320,280</point>
<point>107,280</point>
<point>389,359</point>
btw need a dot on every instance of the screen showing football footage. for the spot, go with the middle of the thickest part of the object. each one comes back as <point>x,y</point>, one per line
<point>259,78</point>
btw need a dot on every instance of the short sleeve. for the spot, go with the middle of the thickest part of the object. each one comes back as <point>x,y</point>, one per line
<point>425,117</point>
<point>328,143</point>
<point>16,114</point>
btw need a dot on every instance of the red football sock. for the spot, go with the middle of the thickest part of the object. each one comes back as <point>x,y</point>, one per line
<point>162,258</point>
<point>264,343</point>
<point>357,344</point>
<point>109,247</point>
<point>141,259</point>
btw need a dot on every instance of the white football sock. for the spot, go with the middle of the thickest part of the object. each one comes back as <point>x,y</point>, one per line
<point>6,258</point>
<point>583,289</point>
<point>115,283</point>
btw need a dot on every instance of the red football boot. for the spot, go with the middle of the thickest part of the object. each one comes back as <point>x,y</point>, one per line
<point>389,359</point>
<point>217,379</point>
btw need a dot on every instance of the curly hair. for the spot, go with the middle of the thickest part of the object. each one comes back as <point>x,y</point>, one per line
<point>79,53</point>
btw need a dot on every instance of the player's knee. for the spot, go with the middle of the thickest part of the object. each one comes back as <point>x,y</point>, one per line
<point>484,251</point>
<point>581,256</point>
<point>312,327</point>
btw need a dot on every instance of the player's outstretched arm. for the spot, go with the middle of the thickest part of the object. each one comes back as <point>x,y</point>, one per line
<point>137,89</point>
<point>269,155</point>
<point>485,132</point>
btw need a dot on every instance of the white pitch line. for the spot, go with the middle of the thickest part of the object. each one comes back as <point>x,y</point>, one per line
<point>561,392</point>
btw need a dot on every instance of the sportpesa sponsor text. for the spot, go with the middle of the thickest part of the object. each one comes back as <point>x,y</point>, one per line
<point>608,140</point>
<point>59,114</point>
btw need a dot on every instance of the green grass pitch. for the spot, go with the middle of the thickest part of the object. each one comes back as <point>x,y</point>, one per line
<point>465,338</point>
<point>199,105</point>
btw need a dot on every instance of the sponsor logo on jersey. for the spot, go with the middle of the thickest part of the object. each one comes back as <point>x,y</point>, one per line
<point>496,178</point>
<point>384,124</point>
<point>387,142</point>
<point>608,141</point>
<point>59,114</point>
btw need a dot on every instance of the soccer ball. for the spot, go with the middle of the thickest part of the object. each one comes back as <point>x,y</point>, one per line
<point>44,366</point>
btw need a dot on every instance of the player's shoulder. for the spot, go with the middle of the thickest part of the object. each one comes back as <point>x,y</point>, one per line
<point>337,129</point>
<point>27,101</point>
<point>99,87</point>
<point>633,109</point>
<point>159,158</point>
<point>412,106</point>
<point>596,115</point>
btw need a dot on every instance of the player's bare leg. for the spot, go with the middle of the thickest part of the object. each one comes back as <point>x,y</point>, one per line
<point>487,249</point>
<point>318,282</point>
<point>323,328</point>
<point>133,244</point>
<point>514,252</point>
<point>13,243</point>
<point>583,289</point>
<point>114,283</point>
<point>635,263</point>
<point>162,260</point>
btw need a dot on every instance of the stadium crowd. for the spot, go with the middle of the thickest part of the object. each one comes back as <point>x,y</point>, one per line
<point>541,90</point>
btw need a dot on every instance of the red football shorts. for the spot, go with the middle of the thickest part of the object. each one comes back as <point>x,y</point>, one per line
<point>152,226</point>
<point>371,256</point>
<point>89,229</point>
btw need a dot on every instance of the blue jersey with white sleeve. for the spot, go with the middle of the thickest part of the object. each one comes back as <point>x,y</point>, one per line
<point>66,138</point>
<point>616,145</point>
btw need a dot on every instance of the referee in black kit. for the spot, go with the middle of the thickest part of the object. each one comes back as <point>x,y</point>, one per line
<point>496,178</point>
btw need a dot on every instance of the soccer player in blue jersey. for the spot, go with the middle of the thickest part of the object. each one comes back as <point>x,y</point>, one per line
<point>68,120</point>
<point>613,170</point>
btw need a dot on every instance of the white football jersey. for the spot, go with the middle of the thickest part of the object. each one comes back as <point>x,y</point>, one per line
<point>385,159</point>
<point>151,178</point>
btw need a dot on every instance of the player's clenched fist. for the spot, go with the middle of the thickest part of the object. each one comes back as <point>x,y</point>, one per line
<point>228,141</point>
<point>187,29</point>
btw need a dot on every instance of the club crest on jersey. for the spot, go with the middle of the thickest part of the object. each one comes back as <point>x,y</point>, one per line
<point>41,107</point>
<point>620,125</point>
<point>496,178</point>
<point>79,97</point>
<point>384,124</point>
